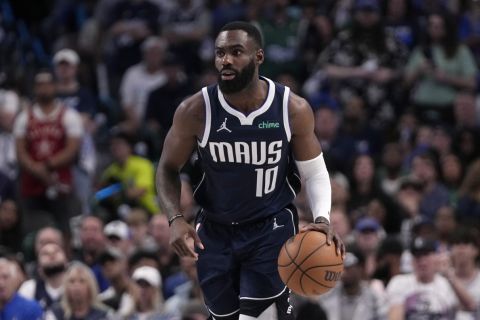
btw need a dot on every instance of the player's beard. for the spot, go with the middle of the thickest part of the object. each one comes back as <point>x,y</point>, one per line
<point>240,81</point>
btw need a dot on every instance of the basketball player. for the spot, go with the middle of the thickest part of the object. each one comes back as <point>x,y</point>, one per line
<point>250,132</point>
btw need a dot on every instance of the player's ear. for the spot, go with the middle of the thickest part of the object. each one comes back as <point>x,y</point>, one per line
<point>260,56</point>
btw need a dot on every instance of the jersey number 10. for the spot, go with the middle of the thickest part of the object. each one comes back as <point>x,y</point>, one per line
<point>266,180</point>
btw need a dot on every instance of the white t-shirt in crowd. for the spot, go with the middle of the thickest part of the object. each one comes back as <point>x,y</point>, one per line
<point>27,290</point>
<point>137,84</point>
<point>434,300</point>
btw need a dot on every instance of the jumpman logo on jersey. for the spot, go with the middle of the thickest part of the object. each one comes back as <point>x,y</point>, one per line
<point>224,126</point>
<point>276,225</point>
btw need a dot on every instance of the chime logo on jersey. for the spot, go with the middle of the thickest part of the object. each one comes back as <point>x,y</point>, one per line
<point>255,152</point>
<point>268,125</point>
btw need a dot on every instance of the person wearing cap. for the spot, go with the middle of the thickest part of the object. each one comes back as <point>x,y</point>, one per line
<point>47,139</point>
<point>368,234</point>
<point>75,96</point>
<point>365,60</point>
<point>425,293</point>
<point>149,300</point>
<point>118,236</point>
<point>352,298</point>
<point>120,295</point>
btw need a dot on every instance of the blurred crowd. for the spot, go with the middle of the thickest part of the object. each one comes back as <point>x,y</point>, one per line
<point>88,90</point>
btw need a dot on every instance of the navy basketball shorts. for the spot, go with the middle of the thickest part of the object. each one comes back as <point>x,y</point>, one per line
<point>237,269</point>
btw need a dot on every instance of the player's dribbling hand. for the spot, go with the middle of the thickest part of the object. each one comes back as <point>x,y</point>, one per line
<point>332,236</point>
<point>180,233</point>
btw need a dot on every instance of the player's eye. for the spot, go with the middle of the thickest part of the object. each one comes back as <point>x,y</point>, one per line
<point>219,53</point>
<point>237,52</point>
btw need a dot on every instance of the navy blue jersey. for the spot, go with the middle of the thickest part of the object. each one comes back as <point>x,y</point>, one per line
<point>246,159</point>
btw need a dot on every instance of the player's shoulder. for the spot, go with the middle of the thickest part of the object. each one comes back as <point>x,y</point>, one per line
<point>298,105</point>
<point>192,109</point>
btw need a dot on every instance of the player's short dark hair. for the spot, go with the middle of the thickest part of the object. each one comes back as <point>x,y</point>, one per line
<point>249,28</point>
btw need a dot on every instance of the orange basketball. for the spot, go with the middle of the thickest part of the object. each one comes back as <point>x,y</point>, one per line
<point>307,265</point>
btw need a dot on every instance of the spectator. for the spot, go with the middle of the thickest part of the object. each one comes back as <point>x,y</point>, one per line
<point>390,169</point>
<point>160,232</point>
<point>280,30</point>
<point>80,300</point>
<point>129,23</point>
<point>186,28</point>
<point>12,305</point>
<point>336,145</point>
<point>368,236</point>
<point>9,108</point>
<point>47,289</point>
<point>452,175</point>
<point>340,190</point>
<point>10,225</point>
<point>389,259</point>
<point>139,80</point>
<point>425,167</point>
<point>445,224</point>
<point>135,174</point>
<point>46,235</point>
<point>73,95</point>
<point>342,224</point>
<point>7,188</point>
<point>464,251</point>
<point>187,289</point>
<point>47,140</point>
<point>469,28</point>
<point>399,21</point>
<point>142,258</point>
<point>315,33</point>
<point>442,141</point>
<point>469,195</point>
<point>439,69</point>
<point>137,221</point>
<point>162,103</point>
<point>92,244</point>
<point>425,293</point>
<point>365,192</point>
<point>118,236</point>
<point>363,303</point>
<point>465,112</point>
<point>363,61</point>
<point>149,301</point>
<point>120,295</point>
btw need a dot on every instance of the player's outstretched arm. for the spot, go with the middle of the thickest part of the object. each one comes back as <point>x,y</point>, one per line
<point>188,124</point>
<point>312,168</point>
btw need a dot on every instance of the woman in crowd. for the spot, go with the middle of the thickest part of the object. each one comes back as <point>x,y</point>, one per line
<point>80,300</point>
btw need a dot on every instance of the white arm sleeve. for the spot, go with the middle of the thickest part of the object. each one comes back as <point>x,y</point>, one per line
<point>317,185</point>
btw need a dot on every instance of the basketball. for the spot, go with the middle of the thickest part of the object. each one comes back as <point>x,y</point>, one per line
<point>307,265</point>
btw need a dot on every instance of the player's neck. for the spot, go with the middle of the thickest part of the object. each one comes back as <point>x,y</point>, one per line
<point>250,98</point>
